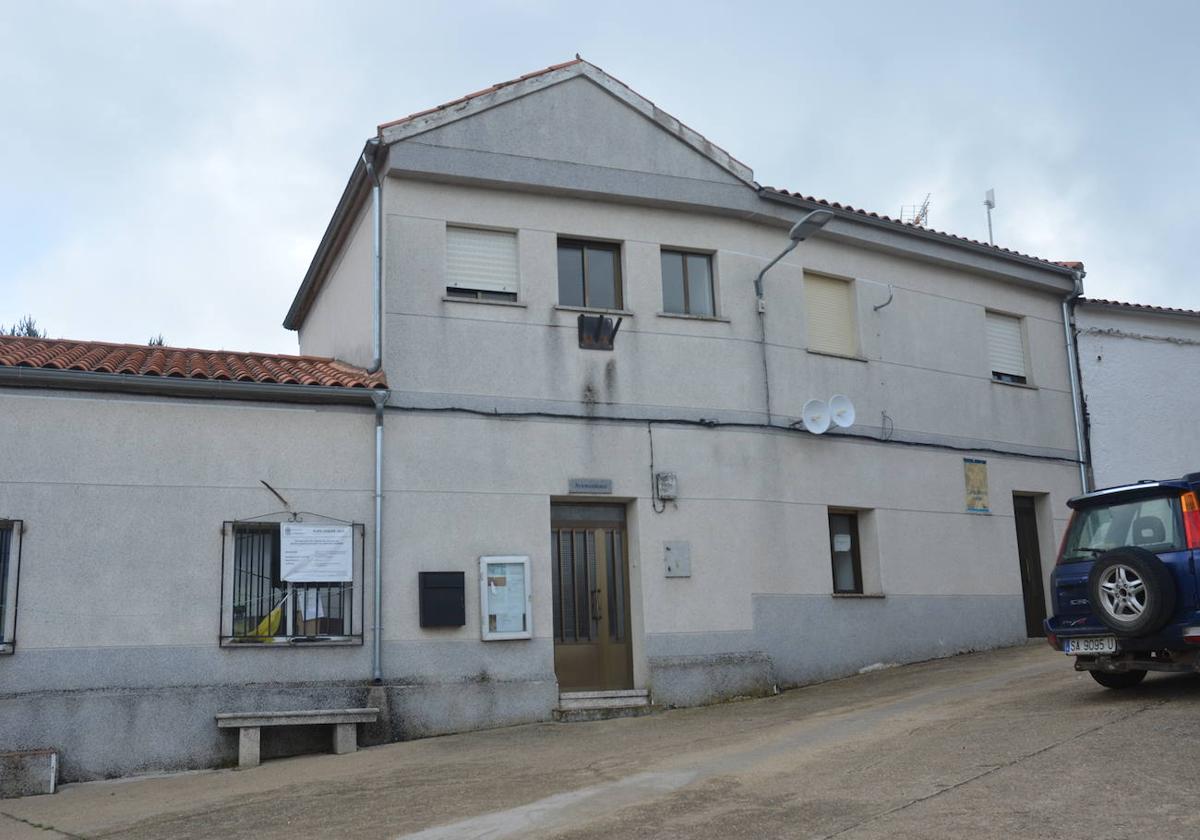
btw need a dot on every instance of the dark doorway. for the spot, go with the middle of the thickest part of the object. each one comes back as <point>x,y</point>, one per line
<point>1029,552</point>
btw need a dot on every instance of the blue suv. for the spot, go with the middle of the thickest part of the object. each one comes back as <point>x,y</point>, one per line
<point>1126,599</point>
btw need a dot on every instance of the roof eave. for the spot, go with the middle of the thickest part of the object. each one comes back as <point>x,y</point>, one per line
<point>928,235</point>
<point>1139,309</point>
<point>53,378</point>
<point>356,191</point>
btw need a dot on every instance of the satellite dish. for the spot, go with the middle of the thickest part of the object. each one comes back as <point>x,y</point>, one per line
<point>842,410</point>
<point>815,416</point>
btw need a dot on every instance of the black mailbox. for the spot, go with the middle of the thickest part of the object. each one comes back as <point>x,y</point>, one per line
<point>443,599</point>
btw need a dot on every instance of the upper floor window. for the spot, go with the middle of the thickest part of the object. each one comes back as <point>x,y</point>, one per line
<point>481,264</point>
<point>687,283</point>
<point>829,315</point>
<point>589,274</point>
<point>10,554</point>
<point>1006,348</point>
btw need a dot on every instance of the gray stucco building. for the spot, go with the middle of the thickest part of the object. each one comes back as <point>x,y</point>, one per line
<point>555,280</point>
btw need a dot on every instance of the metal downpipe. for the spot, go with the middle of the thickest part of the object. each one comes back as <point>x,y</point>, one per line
<point>1073,369</point>
<point>368,159</point>
<point>381,398</point>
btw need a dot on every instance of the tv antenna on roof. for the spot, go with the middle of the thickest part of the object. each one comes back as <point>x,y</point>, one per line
<point>989,201</point>
<point>916,214</point>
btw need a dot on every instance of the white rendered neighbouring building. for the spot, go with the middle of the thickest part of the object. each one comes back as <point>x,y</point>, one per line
<point>1141,385</point>
<point>780,557</point>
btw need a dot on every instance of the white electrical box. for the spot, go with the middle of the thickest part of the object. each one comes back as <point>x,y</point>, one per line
<point>666,486</point>
<point>677,556</point>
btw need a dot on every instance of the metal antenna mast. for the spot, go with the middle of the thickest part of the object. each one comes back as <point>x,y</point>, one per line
<point>916,214</point>
<point>989,201</point>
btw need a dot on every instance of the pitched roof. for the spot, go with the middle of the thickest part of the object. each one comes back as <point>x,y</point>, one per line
<point>425,120</point>
<point>501,92</point>
<point>1140,307</point>
<point>858,211</point>
<point>479,93</point>
<point>182,363</point>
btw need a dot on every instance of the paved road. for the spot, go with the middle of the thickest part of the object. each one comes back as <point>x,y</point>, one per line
<point>1004,744</point>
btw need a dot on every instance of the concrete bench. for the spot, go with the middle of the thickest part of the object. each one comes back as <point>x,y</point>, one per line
<point>345,728</point>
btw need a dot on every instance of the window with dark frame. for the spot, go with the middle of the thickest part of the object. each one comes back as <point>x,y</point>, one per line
<point>843,546</point>
<point>687,283</point>
<point>265,606</point>
<point>589,274</point>
<point>6,541</point>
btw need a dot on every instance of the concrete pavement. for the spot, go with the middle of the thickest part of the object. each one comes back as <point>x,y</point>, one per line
<point>1002,744</point>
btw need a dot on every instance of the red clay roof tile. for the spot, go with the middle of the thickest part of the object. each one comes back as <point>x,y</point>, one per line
<point>1140,307</point>
<point>834,205</point>
<point>183,363</point>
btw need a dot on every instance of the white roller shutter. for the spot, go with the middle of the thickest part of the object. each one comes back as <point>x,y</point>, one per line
<point>829,315</point>
<point>482,260</point>
<point>1006,348</point>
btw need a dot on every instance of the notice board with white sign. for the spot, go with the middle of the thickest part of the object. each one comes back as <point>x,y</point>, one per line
<point>316,553</point>
<point>505,598</point>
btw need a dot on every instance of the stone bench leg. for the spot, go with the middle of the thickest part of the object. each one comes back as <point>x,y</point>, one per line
<point>345,738</point>
<point>248,747</point>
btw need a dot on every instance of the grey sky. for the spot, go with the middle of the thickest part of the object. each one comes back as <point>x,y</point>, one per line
<point>171,167</point>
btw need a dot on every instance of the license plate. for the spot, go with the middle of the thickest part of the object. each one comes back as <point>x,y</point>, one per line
<point>1090,645</point>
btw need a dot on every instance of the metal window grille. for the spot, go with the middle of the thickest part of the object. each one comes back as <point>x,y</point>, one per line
<point>5,552</point>
<point>265,606</point>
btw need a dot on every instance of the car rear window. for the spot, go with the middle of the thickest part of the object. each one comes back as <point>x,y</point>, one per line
<point>1153,524</point>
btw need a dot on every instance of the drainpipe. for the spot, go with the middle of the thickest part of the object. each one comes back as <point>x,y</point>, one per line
<point>380,397</point>
<point>368,159</point>
<point>1068,314</point>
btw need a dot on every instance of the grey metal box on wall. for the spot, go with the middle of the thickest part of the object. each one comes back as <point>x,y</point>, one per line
<point>677,555</point>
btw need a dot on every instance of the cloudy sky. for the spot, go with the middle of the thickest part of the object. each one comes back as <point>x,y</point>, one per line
<point>170,167</point>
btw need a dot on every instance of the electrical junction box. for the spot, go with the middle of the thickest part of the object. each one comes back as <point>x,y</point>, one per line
<point>678,558</point>
<point>666,486</point>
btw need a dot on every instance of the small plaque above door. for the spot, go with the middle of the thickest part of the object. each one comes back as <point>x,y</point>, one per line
<point>590,486</point>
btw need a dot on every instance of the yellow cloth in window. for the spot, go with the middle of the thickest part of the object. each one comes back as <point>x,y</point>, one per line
<point>269,626</point>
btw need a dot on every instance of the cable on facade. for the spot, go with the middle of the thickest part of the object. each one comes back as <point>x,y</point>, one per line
<point>654,500</point>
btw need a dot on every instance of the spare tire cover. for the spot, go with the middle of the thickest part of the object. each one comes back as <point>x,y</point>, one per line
<point>1132,592</point>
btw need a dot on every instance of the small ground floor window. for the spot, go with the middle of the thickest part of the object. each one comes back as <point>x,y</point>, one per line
<point>10,553</point>
<point>268,599</point>
<point>844,549</point>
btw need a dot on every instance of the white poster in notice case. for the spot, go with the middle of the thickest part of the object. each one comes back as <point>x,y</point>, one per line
<point>316,553</point>
<point>505,599</point>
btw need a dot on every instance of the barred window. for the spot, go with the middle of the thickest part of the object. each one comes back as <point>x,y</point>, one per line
<point>10,553</point>
<point>265,608</point>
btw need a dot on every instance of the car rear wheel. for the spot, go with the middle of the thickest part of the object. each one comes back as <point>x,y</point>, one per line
<point>1124,679</point>
<point>1131,591</point>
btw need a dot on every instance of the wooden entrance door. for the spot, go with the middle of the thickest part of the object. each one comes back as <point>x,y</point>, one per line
<point>592,650</point>
<point>1029,553</point>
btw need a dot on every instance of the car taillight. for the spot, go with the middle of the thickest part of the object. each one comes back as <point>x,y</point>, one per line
<point>1191,635</point>
<point>1063,542</point>
<point>1191,518</point>
<point>1052,640</point>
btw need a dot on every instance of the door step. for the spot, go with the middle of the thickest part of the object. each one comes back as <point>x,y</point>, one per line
<point>576,706</point>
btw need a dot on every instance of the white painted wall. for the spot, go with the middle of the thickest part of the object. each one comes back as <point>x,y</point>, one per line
<point>923,356</point>
<point>1140,373</point>
<point>339,322</point>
